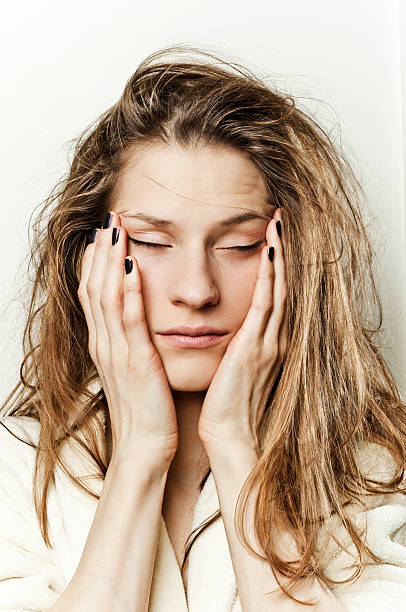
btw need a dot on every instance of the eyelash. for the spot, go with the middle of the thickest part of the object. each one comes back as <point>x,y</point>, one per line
<point>249,247</point>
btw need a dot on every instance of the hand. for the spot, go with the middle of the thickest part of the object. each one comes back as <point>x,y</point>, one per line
<point>139,398</point>
<point>237,396</point>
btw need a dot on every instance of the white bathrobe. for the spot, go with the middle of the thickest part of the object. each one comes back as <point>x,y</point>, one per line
<point>32,577</point>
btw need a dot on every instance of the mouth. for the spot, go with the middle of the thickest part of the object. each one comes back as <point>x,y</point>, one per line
<point>195,341</point>
<point>202,330</point>
<point>193,337</point>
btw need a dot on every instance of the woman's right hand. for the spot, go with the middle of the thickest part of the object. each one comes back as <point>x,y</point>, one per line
<point>141,407</point>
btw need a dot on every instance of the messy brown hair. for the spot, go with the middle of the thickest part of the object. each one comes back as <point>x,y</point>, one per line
<point>334,391</point>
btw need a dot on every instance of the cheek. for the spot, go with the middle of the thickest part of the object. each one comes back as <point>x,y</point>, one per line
<point>239,290</point>
<point>154,288</point>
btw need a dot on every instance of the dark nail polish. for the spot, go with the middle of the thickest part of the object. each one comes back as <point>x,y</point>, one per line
<point>92,236</point>
<point>279,228</point>
<point>107,220</point>
<point>115,235</point>
<point>128,265</point>
<point>270,253</point>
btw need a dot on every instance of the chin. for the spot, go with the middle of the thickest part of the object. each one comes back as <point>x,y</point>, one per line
<point>190,374</point>
<point>188,386</point>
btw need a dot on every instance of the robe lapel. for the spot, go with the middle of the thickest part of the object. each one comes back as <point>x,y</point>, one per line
<point>211,582</point>
<point>167,590</point>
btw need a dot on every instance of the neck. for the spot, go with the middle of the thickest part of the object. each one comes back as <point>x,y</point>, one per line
<point>190,462</point>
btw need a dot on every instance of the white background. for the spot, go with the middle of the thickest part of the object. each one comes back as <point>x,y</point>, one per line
<point>63,64</point>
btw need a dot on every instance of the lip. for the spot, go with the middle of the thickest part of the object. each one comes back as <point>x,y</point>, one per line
<point>186,341</point>
<point>202,330</point>
<point>193,337</point>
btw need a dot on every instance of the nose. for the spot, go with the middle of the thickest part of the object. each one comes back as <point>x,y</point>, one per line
<point>193,283</point>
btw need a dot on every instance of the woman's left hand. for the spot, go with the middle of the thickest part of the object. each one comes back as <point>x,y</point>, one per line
<point>237,396</point>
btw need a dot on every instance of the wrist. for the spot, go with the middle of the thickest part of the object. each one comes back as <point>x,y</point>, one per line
<point>144,459</point>
<point>233,446</point>
<point>232,453</point>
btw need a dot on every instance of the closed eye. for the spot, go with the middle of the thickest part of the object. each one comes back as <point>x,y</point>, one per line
<point>155,245</point>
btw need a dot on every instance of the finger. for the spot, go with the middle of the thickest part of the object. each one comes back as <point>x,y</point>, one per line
<point>272,332</point>
<point>112,292</point>
<point>283,337</point>
<point>135,325</point>
<point>83,296</point>
<point>262,300</point>
<point>95,286</point>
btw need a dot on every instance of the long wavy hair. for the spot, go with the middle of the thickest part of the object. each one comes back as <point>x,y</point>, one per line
<point>334,391</point>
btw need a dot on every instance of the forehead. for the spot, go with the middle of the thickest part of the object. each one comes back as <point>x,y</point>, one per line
<point>206,183</point>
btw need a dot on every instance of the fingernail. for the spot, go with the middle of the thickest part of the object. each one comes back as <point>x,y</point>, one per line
<point>128,265</point>
<point>92,236</point>
<point>270,253</point>
<point>115,235</point>
<point>107,220</point>
<point>279,228</point>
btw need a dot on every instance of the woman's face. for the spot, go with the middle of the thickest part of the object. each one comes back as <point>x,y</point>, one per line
<point>196,278</point>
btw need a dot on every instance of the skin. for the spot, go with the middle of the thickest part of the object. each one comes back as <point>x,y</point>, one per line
<point>197,281</point>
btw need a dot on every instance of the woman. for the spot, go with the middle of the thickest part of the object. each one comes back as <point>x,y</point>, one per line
<point>210,339</point>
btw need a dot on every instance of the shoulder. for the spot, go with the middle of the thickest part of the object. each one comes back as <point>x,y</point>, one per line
<point>381,517</point>
<point>18,441</point>
<point>30,576</point>
<point>18,435</point>
<point>375,460</point>
<point>381,521</point>
<point>18,438</point>
<point>23,426</point>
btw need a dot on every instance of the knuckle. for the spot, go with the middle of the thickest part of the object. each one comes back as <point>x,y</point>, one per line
<point>266,275</point>
<point>82,294</point>
<point>253,356</point>
<point>93,355</point>
<point>118,365</point>
<point>92,288</point>
<point>91,347</point>
<point>106,302</point>
<point>272,353</point>
<point>100,355</point>
<point>132,319</point>
<point>136,361</point>
<point>132,362</point>
<point>127,319</point>
<point>143,359</point>
<point>263,306</point>
<point>132,287</point>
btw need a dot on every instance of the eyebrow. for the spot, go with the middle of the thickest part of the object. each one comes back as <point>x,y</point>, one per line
<point>166,223</point>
